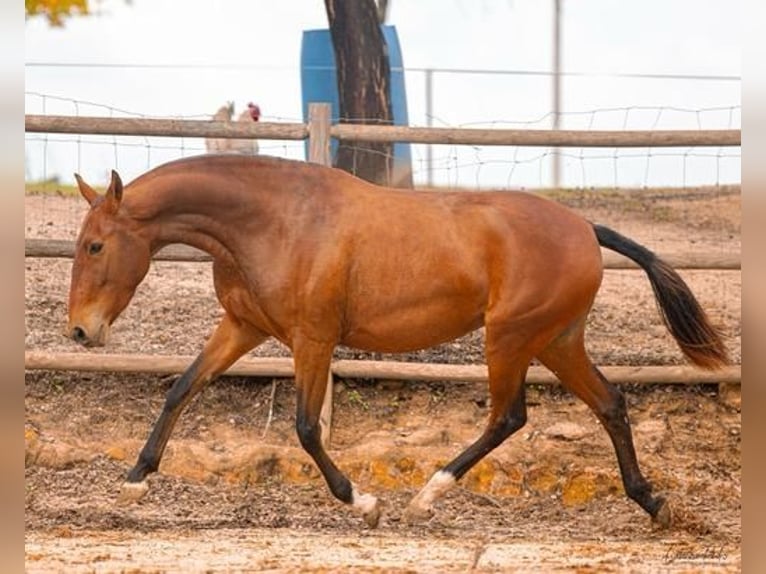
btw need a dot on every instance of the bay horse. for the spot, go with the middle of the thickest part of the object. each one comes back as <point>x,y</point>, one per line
<point>315,257</point>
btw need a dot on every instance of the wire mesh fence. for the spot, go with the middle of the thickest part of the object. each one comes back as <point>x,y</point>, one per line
<point>55,157</point>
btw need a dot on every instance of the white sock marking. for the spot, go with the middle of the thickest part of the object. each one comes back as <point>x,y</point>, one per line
<point>132,491</point>
<point>440,483</point>
<point>364,503</point>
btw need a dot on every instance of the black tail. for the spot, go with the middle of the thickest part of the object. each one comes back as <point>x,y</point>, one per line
<point>700,341</point>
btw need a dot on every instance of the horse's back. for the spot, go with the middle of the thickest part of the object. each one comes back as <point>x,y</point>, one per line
<point>518,227</point>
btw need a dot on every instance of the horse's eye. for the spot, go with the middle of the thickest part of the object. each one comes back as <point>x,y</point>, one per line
<point>95,248</point>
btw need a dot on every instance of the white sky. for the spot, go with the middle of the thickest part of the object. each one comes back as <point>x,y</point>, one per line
<point>263,41</point>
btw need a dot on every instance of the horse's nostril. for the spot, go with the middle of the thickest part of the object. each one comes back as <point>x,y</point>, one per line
<point>78,334</point>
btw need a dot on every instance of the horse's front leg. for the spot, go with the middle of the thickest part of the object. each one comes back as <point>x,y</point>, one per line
<point>312,364</point>
<point>229,342</point>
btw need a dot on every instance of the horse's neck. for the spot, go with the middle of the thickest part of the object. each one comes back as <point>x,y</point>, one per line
<point>196,211</point>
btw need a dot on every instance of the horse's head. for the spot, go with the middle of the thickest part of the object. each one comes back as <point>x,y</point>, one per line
<point>111,258</point>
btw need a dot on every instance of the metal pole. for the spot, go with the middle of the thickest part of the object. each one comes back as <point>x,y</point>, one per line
<point>429,123</point>
<point>556,87</point>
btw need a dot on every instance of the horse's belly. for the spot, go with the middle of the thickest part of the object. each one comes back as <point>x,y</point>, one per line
<point>411,328</point>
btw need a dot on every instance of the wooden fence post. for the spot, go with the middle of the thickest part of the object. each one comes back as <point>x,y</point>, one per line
<point>319,152</point>
<point>319,134</point>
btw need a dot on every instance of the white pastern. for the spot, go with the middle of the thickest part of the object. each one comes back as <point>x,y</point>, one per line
<point>440,483</point>
<point>132,491</point>
<point>367,506</point>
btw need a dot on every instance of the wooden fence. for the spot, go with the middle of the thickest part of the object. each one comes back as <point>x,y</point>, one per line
<point>319,131</point>
<point>362,369</point>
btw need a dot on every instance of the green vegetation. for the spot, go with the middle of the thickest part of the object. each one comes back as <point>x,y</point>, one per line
<point>52,187</point>
<point>355,399</point>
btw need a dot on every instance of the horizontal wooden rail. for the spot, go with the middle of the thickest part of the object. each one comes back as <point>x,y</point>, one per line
<point>164,127</point>
<point>535,375</point>
<point>357,369</point>
<point>553,138</point>
<point>65,249</point>
<point>357,132</point>
<point>141,363</point>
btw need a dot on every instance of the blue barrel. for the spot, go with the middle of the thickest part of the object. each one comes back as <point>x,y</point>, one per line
<point>319,84</point>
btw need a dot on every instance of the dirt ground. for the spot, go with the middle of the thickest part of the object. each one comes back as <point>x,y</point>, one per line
<point>236,493</point>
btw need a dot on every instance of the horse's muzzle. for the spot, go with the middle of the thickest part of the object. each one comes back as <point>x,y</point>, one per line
<point>81,336</point>
<point>78,334</point>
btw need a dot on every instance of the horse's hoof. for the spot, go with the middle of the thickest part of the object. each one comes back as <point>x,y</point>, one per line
<point>416,514</point>
<point>131,492</point>
<point>664,516</point>
<point>368,506</point>
<point>372,517</point>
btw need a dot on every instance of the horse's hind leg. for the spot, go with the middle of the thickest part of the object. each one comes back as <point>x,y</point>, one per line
<point>567,358</point>
<point>229,342</point>
<point>507,362</point>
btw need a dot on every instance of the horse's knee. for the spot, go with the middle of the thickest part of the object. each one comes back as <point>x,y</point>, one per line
<point>309,433</point>
<point>180,390</point>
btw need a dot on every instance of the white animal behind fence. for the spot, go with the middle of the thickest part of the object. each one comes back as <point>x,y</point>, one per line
<point>227,145</point>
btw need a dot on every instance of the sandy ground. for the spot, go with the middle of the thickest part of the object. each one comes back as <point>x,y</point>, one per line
<point>235,493</point>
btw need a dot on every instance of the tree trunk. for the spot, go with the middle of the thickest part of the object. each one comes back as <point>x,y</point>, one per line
<point>361,60</point>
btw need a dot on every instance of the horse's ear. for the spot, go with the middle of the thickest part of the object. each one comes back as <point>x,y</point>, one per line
<point>87,191</point>
<point>114,192</point>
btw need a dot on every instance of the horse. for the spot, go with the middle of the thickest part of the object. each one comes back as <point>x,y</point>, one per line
<point>316,257</point>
